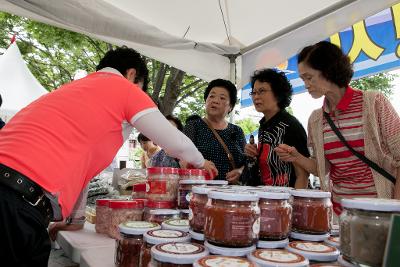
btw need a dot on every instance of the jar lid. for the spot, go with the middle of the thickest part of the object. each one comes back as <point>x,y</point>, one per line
<point>269,188</point>
<point>217,182</point>
<point>102,202</point>
<point>233,195</point>
<point>309,237</point>
<point>164,212</point>
<point>344,263</point>
<point>216,260</point>
<point>160,204</point>
<point>325,265</point>
<point>163,236</point>
<point>126,204</point>
<point>310,193</point>
<point>271,194</point>
<point>224,251</point>
<point>185,211</point>
<point>196,236</point>
<point>176,224</point>
<point>277,258</point>
<point>202,190</point>
<point>162,170</point>
<point>333,241</point>
<point>178,253</point>
<point>137,227</point>
<point>200,182</point>
<point>372,204</point>
<point>314,251</point>
<point>273,244</point>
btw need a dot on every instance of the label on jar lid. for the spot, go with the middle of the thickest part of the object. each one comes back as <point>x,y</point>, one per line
<point>277,256</point>
<point>218,261</point>
<point>177,222</point>
<point>180,248</point>
<point>312,247</point>
<point>137,227</point>
<point>139,224</point>
<point>166,233</point>
<point>333,241</point>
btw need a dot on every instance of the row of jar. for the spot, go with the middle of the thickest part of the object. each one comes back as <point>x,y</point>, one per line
<point>143,243</point>
<point>364,229</point>
<point>238,218</point>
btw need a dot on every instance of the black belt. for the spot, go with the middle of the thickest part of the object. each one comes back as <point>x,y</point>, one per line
<point>29,190</point>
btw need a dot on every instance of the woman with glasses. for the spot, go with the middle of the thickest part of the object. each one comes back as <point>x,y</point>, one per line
<point>220,97</point>
<point>271,94</point>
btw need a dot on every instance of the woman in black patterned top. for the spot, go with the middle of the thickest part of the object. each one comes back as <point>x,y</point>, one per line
<point>271,94</point>
<point>220,97</point>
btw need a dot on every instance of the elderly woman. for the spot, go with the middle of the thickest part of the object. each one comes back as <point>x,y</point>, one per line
<point>220,97</point>
<point>271,94</point>
<point>366,120</point>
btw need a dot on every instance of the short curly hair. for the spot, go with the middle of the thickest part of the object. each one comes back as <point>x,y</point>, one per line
<point>229,86</point>
<point>329,59</point>
<point>280,85</point>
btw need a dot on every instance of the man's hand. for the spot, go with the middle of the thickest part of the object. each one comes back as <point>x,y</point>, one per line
<point>210,168</point>
<point>287,153</point>
<point>233,176</point>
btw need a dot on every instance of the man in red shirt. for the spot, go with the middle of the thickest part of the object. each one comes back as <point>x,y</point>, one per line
<point>51,149</point>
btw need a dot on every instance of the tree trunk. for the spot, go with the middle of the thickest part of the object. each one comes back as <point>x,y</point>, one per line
<point>159,81</point>
<point>172,91</point>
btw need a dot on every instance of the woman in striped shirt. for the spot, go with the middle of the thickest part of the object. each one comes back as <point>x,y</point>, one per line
<point>366,120</point>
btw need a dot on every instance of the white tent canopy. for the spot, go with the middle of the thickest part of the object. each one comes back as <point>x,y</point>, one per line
<point>196,36</point>
<point>18,86</point>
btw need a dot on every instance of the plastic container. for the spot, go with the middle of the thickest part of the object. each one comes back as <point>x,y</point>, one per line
<point>127,249</point>
<point>162,183</point>
<point>185,192</point>
<point>273,244</point>
<point>196,207</point>
<point>214,261</point>
<point>197,237</point>
<point>369,228</point>
<point>177,254</point>
<point>123,211</point>
<point>217,182</point>
<point>275,215</point>
<point>232,218</point>
<point>155,205</point>
<point>312,211</point>
<point>139,190</point>
<point>277,258</point>
<point>314,251</point>
<point>102,216</point>
<point>155,237</point>
<point>228,251</point>
<point>161,215</point>
<point>176,224</point>
<point>192,174</point>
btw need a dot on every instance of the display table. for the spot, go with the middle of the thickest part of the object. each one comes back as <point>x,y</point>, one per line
<point>98,257</point>
<point>75,242</point>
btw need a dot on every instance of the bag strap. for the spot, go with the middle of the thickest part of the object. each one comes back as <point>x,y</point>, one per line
<point>224,146</point>
<point>370,163</point>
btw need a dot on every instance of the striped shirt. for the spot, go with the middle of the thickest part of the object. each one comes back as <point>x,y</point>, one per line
<point>350,176</point>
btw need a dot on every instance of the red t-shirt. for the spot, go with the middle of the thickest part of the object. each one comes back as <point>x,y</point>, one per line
<point>65,138</point>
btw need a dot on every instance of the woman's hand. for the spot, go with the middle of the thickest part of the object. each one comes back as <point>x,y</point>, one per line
<point>233,176</point>
<point>251,150</point>
<point>54,228</point>
<point>210,168</point>
<point>287,153</point>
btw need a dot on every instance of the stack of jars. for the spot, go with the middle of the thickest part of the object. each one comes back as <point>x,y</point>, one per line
<point>232,222</point>
<point>102,216</point>
<point>122,211</point>
<point>364,228</point>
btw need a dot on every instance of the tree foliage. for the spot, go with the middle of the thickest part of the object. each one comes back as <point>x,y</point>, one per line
<point>248,126</point>
<point>379,82</point>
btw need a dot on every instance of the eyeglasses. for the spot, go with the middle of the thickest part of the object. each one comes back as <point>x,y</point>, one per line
<point>259,92</point>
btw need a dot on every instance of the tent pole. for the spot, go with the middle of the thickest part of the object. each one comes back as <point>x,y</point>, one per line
<point>232,78</point>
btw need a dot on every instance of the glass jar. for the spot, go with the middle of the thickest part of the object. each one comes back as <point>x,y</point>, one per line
<point>192,174</point>
<point>127,249</point>
<point>276,215</point>
<point>196,207</point>
<point>123,211</point>
<point>312,211</point>
<point>184,214</point>
<point>156,237</point>
<point>345,219</point>
<point>277,257</point>
<point>185,192</point>
<point>197,237</point>
<point>314,251</point>
<point>102,216</point>
<point>176,254</point>
<point>176,224</point>
<point>156,205</point>
<point>369,228</point>
<point>162,183</point>
<point>232,218</point>
<point>214,260</point>
<point>161,215</point>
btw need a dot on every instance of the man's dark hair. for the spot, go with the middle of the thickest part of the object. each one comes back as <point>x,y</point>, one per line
<point>229,86</point>
<point>124,58</point>
<point>1,101</point>
<point>142,138</point>
<point>177,121</point>
<point>280,85</point>
<point>329,59</point>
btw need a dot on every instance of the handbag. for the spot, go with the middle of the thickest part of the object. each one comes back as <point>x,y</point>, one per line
<point>363,158</point>
<point>226,149</point>
<point>253,166</point>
